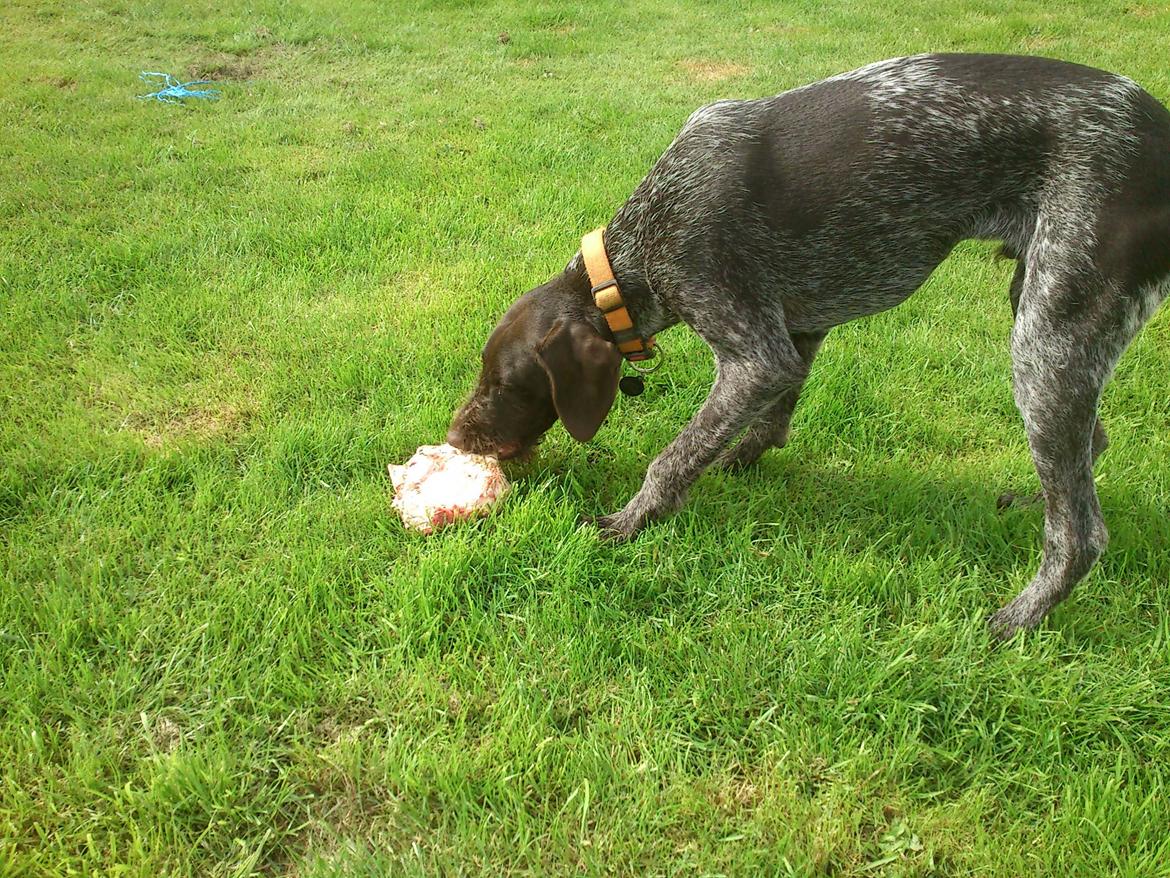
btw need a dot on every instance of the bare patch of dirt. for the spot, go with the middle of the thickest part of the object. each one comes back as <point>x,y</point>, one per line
<point>815,775</point>
<point>202,423</point>
<point>346,813</point>
<point>164,732</point>
<point>713,71</point>
<point>224,67</point>
<point>239,66</point>
<point>737,795</point>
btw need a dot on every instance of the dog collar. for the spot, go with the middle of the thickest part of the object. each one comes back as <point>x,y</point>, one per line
<point>608,298</point>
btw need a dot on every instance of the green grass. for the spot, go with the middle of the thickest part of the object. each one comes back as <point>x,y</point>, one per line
<point>220,654</point>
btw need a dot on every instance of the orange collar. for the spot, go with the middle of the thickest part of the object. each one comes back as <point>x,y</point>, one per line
<point>608,298</point>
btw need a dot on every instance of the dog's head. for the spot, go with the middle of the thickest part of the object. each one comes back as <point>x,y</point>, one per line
<point>540,363</point>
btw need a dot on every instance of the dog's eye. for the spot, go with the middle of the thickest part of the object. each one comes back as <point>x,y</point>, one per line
<point>514,390</point>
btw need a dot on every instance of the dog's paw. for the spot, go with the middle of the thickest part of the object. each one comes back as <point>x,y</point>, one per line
<point>1010,620</point>
<point>611,528</point>
<point>1002,626</point>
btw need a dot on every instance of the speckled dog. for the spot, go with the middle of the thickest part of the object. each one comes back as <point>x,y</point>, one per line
<point>767,222</point>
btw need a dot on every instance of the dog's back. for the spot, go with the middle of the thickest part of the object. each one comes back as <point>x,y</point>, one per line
<point>842,196</point>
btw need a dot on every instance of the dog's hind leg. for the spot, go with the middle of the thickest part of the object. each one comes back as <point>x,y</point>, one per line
<point>1071,328</point>
<point>771,429</point>
<point>1100,438</point>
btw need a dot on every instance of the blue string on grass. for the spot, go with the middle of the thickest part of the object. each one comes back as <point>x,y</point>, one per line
<point>173,91</point>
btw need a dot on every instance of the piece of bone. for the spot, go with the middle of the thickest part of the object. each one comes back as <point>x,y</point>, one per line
<point>440,485</point>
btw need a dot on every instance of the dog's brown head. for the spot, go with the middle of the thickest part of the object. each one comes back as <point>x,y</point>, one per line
<point>544,360</point>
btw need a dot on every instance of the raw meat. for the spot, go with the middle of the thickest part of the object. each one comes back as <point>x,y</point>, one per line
<point>441,484</point>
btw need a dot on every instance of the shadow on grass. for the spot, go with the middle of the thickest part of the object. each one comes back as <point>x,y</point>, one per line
<point>894,515</point>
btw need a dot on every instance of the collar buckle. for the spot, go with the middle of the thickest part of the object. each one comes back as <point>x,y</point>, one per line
<point>604,285</point>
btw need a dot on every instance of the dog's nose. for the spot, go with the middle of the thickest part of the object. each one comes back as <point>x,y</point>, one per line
<point>455,437</point>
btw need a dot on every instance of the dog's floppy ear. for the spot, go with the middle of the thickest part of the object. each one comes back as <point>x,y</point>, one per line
<point>583,369</point>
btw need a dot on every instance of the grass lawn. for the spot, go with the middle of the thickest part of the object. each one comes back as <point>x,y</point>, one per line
<point>220,654</point>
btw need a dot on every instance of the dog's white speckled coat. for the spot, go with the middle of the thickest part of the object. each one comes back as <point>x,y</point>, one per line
<point>767,222</point>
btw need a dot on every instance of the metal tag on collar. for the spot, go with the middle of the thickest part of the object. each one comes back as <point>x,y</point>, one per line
<point>632,385</point>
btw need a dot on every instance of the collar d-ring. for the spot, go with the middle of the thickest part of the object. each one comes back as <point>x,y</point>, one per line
<point>655,359</point>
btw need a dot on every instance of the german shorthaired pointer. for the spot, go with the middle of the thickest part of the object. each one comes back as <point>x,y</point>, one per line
<point>767,222</point>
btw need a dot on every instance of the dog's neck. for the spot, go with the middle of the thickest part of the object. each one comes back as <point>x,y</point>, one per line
<point>647,311</point>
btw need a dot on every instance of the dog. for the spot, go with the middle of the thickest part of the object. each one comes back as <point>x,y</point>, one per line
<point>768,222</point>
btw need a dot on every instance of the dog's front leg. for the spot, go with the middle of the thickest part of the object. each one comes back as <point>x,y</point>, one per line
<point>742,389</point>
